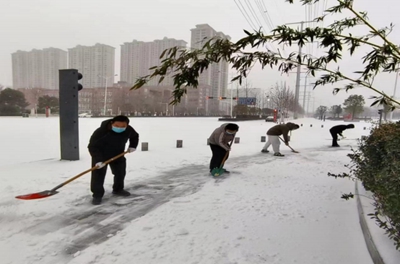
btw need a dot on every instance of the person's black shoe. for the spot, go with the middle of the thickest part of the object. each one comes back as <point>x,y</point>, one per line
<point>335,146</point>
<point>264,151</point>
<point>121,193</point>
<point>96,200</point>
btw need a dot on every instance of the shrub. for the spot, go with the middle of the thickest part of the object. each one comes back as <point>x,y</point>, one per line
<point>376,163</point>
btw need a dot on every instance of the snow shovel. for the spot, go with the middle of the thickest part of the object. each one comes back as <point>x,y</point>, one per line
<point>289,146</point>
<point>218,171</point>
<point>47,193</point>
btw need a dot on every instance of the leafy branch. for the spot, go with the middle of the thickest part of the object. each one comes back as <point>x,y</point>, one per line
<point>187,65</point>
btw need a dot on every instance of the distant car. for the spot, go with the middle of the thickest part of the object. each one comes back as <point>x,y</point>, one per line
<point>85,115</point>
<point>269,119</point>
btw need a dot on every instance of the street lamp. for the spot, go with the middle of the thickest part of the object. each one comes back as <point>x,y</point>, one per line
<point>105,91</point>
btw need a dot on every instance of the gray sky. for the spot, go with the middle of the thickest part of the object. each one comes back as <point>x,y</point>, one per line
<point>37,24</point>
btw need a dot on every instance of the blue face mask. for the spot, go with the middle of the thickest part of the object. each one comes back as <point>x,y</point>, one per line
<point>118,129</point>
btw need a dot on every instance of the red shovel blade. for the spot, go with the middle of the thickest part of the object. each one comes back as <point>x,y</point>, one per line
<point>34,196</point>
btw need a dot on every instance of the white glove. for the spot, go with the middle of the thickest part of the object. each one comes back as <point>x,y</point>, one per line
<point>100,165</point>
<point>130,150</point>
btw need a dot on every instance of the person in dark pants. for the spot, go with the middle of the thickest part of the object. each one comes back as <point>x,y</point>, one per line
<point>108,141</point>
<point>219,143</point>
<point>338,130</point>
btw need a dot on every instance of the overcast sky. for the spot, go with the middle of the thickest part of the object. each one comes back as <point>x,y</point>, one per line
<point>38,24</point>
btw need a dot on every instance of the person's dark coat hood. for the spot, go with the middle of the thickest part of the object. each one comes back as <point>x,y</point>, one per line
<point>292,126</point>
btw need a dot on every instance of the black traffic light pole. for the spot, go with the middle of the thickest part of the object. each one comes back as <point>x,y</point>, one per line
<point>69,125</point>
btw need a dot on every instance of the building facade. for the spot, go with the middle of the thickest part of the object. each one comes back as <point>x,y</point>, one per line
<point>120,99</point>
<point>38,68</point>
<point>217,74</point>
<point>138,56</point>
<point>96,63</point>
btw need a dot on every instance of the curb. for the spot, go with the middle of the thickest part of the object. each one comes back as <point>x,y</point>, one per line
<point>369,241</point>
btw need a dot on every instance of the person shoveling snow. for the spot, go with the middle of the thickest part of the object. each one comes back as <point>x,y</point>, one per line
<point>219,141</point>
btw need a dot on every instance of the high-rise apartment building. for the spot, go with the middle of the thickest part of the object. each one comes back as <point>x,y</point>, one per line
<point>138,56</point>
<point>38,68</point>
<point>217,74</point>
<point>96,63</point>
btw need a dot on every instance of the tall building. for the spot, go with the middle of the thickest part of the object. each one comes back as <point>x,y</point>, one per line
<point>217,74</point>
<point>138,56</point>
<point>38,68</point>
<point>96,63</point>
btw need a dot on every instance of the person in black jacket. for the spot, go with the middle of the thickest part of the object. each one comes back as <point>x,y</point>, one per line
<point>338,130</point>
<point>108,141</point>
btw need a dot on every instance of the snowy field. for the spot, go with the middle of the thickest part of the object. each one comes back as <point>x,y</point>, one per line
<point>268,210</point>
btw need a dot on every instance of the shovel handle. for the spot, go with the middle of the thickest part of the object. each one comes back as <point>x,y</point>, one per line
<point>86,171</point>
<point>226,155</point>
<point>289,146</point>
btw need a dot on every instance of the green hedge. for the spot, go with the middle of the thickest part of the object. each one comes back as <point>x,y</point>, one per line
<point>376,163</point>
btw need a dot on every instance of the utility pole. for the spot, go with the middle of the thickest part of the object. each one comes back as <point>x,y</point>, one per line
<point>296,95</point>
<point>304,96</point>
<point>297,92</point>
<point>394,92</point>
<point>207,107</point>
<point>105,91</point>
<point>313,104</point>
<point>231,96</point>
<point>308,102</point>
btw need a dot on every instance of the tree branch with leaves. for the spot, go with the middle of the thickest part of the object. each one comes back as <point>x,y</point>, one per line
<point>186,65</point>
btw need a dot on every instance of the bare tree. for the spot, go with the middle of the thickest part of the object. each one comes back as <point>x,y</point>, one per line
<point>283,99</point>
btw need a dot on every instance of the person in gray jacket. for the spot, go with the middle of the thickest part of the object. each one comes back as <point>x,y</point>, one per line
<point>219,143</point>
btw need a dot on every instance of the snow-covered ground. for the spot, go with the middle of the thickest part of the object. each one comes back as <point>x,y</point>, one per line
<point>268,210</point>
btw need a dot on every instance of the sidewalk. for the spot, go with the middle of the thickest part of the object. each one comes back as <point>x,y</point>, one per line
<point>380,247</point>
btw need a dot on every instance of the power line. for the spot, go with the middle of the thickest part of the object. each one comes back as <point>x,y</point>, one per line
<point>265,17</point>
<point>250,24</point>
<point>277,8</point>
<point>253,13</point>
<point>254,27</point>
<point>265,14</point>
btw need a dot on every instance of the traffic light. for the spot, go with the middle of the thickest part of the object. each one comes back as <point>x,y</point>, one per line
<point>209,97</point>
<point>68,112</point>
<point>275,110</point>
<point>235,98</point>
<point>222,97</point>
<point>69,79</point>
<point>78,78</point>
<point>380,111</point>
